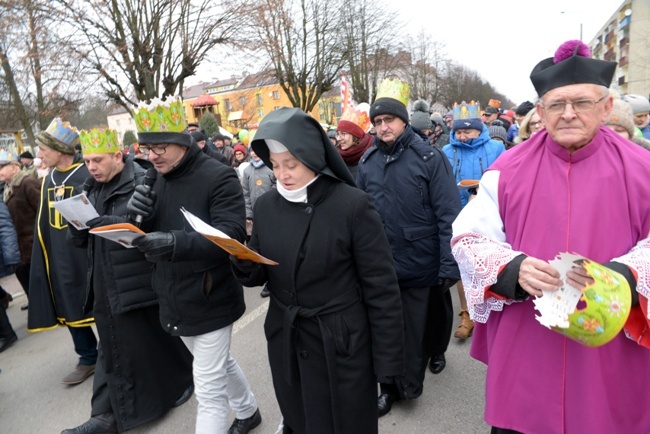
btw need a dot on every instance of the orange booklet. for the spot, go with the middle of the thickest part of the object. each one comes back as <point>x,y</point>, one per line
<point>222,240</point>
<point>123,233</point>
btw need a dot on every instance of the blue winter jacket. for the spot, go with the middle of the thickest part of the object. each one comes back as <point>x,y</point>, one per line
<point>471,159</point>
<point>413,190</point>
<point>9,251</point>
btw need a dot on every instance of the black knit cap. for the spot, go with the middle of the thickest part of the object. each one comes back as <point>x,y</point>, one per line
<point>26,154</point>
<point>571,65</point>
<point>389,106</point>
<point>524,108</point>
<point>181,139</point>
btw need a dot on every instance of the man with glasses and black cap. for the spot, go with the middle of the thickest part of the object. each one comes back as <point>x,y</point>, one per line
<point>489,115</point>
<point>198,295</point>
<point>577,187</point>
<point>412,187</point>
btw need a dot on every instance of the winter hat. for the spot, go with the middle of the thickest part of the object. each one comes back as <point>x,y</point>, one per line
<point>450,114</point>
<point>489,110</point>
<point>640,104</point>
<point>524,108</point>
<point>241,148</point>
<point>420,117</point>
<point>572,64</point>
<point>392,97</point>
<point>198,136</point>
<point>621,115</point>
<point>26,154</point>
<point>331,134</point>
<point>497,132</point>
<point>436,119</point>
<point>468,124</point>
<point>350,128</point>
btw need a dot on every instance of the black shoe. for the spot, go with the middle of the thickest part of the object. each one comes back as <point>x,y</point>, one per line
<point>185,396</point>
<point>7,342</point>
<point>243,426</point>
<point>265,292</point>
<point>24,307</point>
<point>385,403</point>
<point>102,424</point>
<point>437,363</point>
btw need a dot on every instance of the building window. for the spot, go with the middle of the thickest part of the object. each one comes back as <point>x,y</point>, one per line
<point>259,99</point>
<point>260,113</point>
<point>276,94</point>
<point>228,105</point>
<point>242,100</point>
<point>276,107</point>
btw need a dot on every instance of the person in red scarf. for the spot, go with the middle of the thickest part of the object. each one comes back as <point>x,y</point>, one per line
<point>352,141</point>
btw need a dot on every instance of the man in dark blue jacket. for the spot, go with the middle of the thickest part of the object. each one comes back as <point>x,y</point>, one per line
<point>412,186</point>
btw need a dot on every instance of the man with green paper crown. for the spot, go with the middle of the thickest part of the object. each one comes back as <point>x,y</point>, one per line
<point>412,186</point>
<point>57,281</point>
<point>142,371</point>
<point>199,296</point>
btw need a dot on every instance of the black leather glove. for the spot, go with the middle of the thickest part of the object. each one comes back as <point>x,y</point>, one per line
<point>244,267</point>
<point>142,202</point>
<point>156,246</point>
<point>444,283</point>
<point>104,221</point>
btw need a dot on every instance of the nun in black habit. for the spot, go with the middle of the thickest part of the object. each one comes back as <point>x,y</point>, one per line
<point>334,323</point>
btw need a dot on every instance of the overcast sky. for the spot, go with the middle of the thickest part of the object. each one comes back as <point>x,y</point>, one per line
<point>502,44</point>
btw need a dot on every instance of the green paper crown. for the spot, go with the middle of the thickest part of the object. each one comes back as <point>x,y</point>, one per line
<point>394,88</point>
<point>98,141</point>
<point>161,116</point>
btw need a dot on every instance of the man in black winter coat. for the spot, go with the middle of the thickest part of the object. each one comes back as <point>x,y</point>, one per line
<point>199,297</point>
<point>412,187</point>
<point>142,371</point>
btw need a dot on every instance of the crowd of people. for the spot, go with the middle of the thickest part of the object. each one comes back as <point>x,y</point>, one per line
<point>371,225</point>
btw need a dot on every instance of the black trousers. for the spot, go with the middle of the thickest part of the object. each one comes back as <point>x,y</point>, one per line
<point>22,274</point>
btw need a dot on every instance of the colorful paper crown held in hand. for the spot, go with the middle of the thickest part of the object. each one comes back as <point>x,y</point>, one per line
<point>98,141</point>
<point>466,110</point>
<point>603,308</point>
<point>394,88</point>
<point>160,116</point>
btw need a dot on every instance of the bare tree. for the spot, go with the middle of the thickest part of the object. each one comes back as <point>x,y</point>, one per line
<point>302,40</point>
<point>428,68</point>
<point>371,37</point>
<point>143,49</point>
<point>38,71</point>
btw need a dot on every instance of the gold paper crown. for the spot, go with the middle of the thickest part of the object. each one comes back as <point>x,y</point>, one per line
<point>160,116</point>
<point>98,141</point>
<point>394,88</point>
<point>466,110</point>
<point>63,132</point>
<point>358,115</point>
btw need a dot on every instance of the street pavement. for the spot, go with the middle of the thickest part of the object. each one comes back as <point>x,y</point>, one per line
<point>33,401</point>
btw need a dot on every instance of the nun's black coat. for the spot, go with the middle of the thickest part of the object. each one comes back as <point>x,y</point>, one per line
<point>334,322</point>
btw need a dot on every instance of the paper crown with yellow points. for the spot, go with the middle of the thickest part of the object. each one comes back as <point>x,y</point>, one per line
<point>98,141</point>
<point>162,121</point>
<point>392,98</point>
<point>466,110</point>
<point>60,136</point>
<point>394,88</point>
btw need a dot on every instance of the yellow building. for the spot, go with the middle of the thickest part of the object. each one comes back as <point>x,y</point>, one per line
<point>243,104</point>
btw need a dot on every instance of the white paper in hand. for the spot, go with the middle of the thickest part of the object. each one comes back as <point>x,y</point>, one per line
<point>555,307</point>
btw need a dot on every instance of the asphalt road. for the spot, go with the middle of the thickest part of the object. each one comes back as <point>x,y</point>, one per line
<point>33,401</point>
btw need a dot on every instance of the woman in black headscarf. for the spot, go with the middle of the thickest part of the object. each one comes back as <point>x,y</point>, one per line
<point>334,323</point>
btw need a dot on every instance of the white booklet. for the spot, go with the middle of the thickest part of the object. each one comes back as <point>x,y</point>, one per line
<point>77,210</point>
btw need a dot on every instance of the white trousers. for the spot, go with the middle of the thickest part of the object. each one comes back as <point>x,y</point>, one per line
<point>219,382</point>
